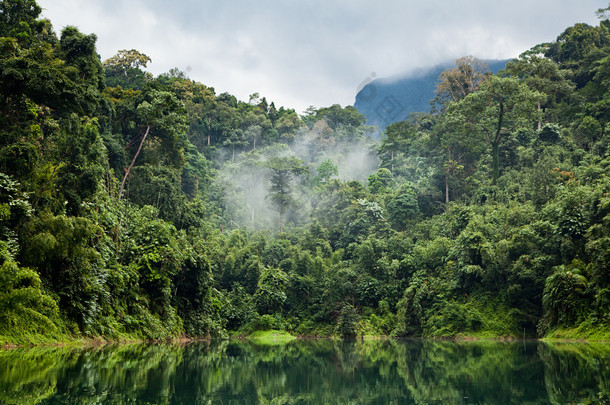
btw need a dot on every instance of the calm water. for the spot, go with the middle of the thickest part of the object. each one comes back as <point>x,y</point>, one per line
<point>309,372</point>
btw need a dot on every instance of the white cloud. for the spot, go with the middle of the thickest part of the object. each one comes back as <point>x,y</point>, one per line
<point>298,53</point>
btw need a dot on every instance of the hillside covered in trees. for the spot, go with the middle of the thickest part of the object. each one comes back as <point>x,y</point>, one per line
<point>134,206</point>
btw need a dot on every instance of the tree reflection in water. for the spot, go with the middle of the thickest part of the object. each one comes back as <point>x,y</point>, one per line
<point>308,372</point>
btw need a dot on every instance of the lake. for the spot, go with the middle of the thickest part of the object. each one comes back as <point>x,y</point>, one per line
<point>309,372</point>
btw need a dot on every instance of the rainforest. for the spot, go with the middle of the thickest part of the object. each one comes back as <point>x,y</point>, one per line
<point>135,207</point>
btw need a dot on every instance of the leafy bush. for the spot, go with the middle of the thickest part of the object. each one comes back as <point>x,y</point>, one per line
<point>347,324</point>
<point>25,309</point>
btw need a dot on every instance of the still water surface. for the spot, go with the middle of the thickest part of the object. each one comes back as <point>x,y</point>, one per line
<point>309,372</point>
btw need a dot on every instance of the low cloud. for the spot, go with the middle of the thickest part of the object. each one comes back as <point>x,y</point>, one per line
<point>244,185</point>
<point>314,52</point>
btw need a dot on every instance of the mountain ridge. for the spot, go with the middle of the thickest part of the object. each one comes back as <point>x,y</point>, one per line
<point>385,100</point>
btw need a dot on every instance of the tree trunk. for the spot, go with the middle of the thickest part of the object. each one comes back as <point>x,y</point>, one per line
<point>495,152</point>
<point>133,161</point>
<point>447,186</point>
<point>447,171</point>
<point>495,145</point>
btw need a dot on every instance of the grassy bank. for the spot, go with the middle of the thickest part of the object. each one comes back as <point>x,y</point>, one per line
<point>584,332</point>
<point>580,334</point>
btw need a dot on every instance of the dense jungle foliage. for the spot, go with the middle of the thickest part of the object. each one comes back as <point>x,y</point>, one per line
<point>134,206</point>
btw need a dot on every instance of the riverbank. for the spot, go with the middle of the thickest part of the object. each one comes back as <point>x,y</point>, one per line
<point>278,337</point>
<point>588,334</point>
<point>95,341</point>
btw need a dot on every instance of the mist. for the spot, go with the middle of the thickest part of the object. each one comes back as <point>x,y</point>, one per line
<point>245,183</point>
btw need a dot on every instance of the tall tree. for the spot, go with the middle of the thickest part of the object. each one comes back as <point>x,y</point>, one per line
<point>19,20</point>
<point>280,192</point>
<point>542,75</point>
<point>455,84</point>
<point>160,111</point>
<point>336,116</point>
<point>125,69</point>
<point>79,51</point>
<point>455,149</point>
<point>501,106</point>
<point>235,139</point>
<point>287,125</point>
<point>397,139</point>
<point>573,48</point>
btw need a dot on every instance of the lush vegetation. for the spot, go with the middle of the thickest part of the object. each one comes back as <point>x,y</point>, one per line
<point>134,206</point>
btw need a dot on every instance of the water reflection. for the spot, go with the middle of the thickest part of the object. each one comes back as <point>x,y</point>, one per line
<point>309,372</point>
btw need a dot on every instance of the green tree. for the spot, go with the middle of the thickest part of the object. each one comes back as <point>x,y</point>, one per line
<point>455,84</point>
<point>79,159</point>
<point>326,171</point>
<point>380,181</point>
<point>543,75</point>
<point>280,193</point>
<point>573,48</point>
<point>19,20</point>
<point>255,125</point>
<point>15,210</point>
<point>397,139</point>
<point>588,132</point>
<point>125,69</point>
<point>162,113</point>
<point>336,116</point>
<point>78,50</point>
<point>62,250</point>
<point>25,308</point>
<point>253,132</point>
<point>287,125</point>
<point>270,294</point>
<point>501,106</point>
<point>235,139</point>
<point>404,147</point>
<point>347,323</point>
<point>564,298</point>
<point>402,206</point>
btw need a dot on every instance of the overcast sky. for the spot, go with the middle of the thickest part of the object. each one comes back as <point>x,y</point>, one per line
<point>314,52</point>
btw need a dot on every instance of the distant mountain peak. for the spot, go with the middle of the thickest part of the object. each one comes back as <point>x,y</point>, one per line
<point>384,101</point>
